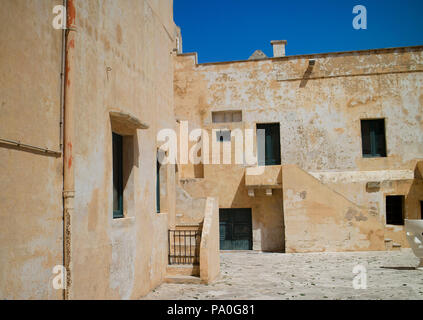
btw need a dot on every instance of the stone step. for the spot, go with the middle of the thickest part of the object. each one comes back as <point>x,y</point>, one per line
<point>390,245</point>
<point>182,280</point>
<point>183,270</point>
<point>396,246</point>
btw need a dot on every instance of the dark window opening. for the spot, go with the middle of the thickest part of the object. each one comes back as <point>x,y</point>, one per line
<point>395,210</point>
<point>223,136</point>
<point>158,166</point>
<point>272,144</point>
<point>117,176</point>
<point>373,138</point>
<point>421,209</point>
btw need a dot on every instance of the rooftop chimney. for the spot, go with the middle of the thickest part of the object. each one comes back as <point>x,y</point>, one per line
<point>278,48</point>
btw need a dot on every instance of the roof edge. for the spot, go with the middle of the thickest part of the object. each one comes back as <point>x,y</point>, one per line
<point>312,55</point>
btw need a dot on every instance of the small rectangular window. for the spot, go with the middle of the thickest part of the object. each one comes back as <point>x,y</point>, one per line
<point>226,116</point>
<point>223,136</point>
<point>373,138</point>
<point>421,209</point>
<point>117,176</point>
<point>395,210</point>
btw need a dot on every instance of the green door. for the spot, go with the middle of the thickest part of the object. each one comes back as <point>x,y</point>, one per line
<point>236,229</point>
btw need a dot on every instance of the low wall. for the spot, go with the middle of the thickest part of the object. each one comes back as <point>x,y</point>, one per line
<point>209,248</point>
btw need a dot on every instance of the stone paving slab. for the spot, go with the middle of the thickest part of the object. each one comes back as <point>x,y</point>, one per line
<point>324,276</point>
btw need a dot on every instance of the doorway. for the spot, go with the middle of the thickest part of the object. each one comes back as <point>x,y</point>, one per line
<point>236,229</point>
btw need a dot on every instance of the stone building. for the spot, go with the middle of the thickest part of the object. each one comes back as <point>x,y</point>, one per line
<point>80,112</point>
<point>343,146</point>
<point>84,187</point>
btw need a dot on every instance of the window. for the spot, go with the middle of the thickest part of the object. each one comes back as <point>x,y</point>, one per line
<point>226,116</point>
<point>373,138</point>
<point>272,144</point>
<point>223,135</point>
<point>117,176</point>
<point>395,210</point>
<point>421,209</point>
<point>158,166</point>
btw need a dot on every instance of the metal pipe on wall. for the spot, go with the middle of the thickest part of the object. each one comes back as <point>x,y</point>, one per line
<point>68,136</point>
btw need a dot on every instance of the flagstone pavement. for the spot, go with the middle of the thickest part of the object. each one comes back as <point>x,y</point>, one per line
<point>324,276</point>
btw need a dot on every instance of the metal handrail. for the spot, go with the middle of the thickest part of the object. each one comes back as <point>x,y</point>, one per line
<point>184,247</point>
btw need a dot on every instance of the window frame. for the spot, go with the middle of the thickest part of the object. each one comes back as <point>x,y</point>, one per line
<point>158,167</point>
<point>373,141</point>
<point>117,146</point>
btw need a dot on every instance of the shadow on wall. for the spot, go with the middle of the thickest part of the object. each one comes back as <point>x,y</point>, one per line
<point>412,200</point>
<point>268,217</point>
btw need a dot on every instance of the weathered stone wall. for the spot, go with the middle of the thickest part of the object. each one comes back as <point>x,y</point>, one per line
<point>123,61</point>
<point>31,182</point>
<point>320,117</point>
<point>209,248</point>
<point>319,111</point>
<point>318,218</point>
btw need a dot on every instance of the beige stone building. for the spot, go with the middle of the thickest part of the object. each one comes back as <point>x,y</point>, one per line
<point>343,146</point>
<point>81,113</point>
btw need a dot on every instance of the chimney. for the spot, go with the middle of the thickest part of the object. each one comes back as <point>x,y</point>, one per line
<point>278,48</point>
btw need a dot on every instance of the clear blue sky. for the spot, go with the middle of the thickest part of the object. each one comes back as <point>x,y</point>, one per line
<point>225,30</point>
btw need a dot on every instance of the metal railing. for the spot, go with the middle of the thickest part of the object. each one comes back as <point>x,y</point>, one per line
<point>184,247</point>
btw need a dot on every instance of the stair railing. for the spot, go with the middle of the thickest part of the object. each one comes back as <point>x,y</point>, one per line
<point>184,247</point>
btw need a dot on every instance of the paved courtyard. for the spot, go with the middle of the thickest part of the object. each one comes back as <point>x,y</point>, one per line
<point>270,276</point>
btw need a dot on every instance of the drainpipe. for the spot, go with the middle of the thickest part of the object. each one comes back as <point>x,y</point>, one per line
<point>68,136</point>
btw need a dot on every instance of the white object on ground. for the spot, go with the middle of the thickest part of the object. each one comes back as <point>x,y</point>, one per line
<point>414,232</point>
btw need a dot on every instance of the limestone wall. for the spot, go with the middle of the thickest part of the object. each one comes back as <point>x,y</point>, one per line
<point>31,230</point>
<point>209,247</point>
<point>318,218</point>
<point>123,61</point>
<point>319,112</point>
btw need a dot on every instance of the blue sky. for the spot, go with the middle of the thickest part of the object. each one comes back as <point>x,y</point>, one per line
<point>225,30</point>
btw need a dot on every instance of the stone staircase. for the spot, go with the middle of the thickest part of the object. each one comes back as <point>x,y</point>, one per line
<point>184,256</point>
